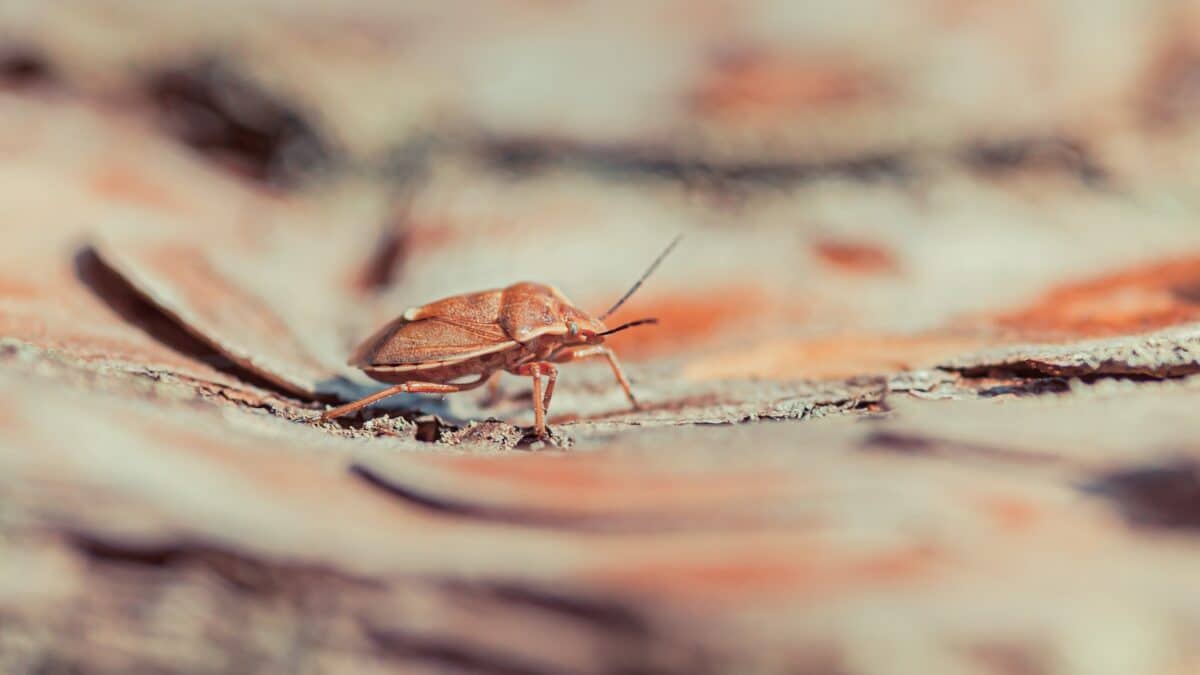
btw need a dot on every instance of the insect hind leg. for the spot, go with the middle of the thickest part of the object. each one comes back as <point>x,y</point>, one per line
<point>402,388</point>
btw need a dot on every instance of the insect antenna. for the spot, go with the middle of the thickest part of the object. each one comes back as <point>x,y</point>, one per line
<point>649,270</point>
<point>631,324</point>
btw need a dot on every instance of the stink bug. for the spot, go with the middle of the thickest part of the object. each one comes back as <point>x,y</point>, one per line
<point>524,329</point>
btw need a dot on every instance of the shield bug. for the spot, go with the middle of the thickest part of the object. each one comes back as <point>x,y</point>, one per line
<point>525,329</point>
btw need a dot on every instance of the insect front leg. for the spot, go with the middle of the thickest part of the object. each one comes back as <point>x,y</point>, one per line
<point>541,402</point>
<point>402,388</point>
<point>569,354</point>
<point>551,371</point>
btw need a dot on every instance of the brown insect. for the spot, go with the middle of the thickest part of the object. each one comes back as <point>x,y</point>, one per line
<point>524,329</point>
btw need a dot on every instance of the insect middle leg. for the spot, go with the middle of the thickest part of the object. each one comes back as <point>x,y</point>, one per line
<point>592,351</point>
<point>403,387</point>
<point>541,402</point>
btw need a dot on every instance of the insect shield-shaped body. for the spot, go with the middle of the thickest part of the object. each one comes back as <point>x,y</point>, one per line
<point>525,329</point>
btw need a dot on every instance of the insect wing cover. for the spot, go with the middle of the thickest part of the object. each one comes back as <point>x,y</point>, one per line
<point>449,329</point>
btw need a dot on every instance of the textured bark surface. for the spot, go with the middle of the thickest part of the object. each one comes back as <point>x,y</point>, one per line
<point>921,399</point>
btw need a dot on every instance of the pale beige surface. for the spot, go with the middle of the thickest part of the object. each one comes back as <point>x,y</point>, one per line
<point>921,399</point>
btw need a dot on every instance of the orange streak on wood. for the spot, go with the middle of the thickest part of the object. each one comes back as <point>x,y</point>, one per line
<point>753,84</point>
<point>1010,513</point>
<point>889,567</point>
<point>685,320</point>
<point>18,289</point>
<point>787,571</point>
<point>857,257</point>
<point>831,358</point>
<point>577,473</point>
<point>123,184</point>
<point>1143,298</point>
<point>582,481</point>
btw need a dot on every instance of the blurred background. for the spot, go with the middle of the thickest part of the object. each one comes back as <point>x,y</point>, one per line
<point>862,166</point>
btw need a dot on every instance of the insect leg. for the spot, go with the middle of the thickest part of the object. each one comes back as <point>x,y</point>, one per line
<point>361,403</point>
<point>539,413</point>
<point>541,402</point>
<point>403,387</point>
<point>551,377</point>
<point>592,351</point>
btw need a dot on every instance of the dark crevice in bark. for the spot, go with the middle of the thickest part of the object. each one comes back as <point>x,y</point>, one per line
<point>465,509</point>
<point>1033,369</point>
<point>1051,154</point>
<point>243,572</point>
<point>24,66</point>
<point>216,109</point>
<point>1164,495</point>
<point>608,614</point>
<point>915,444</point>
<point>624,523</point>
<point>994,157</point>
<point>531,155</point>
<point>447,652</point>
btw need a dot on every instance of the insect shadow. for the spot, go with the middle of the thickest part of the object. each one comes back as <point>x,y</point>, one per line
<point>407,406</point>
